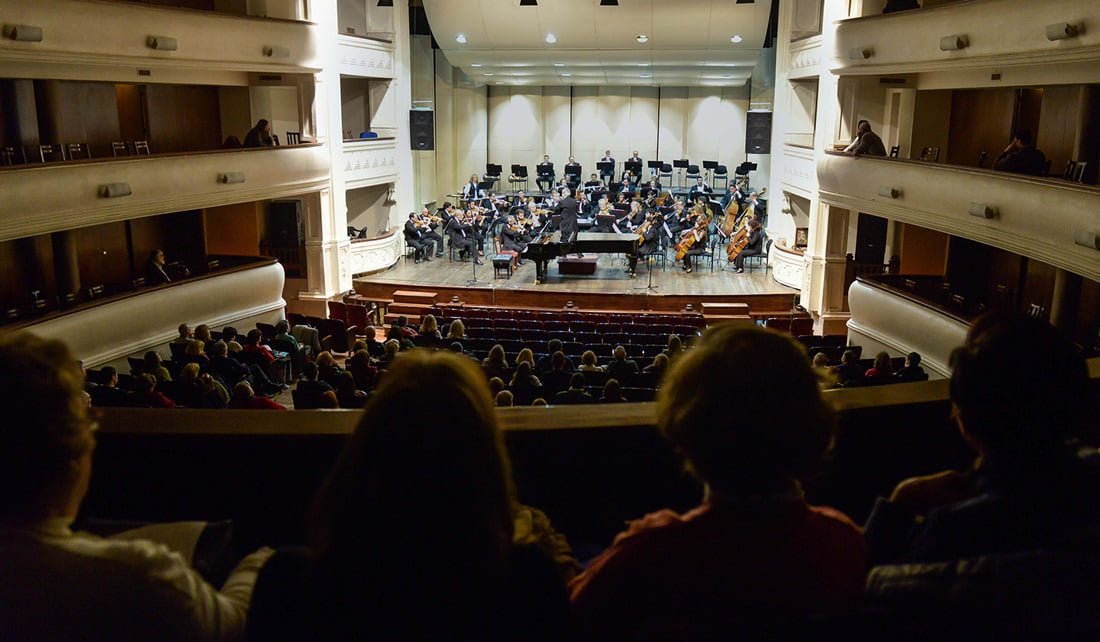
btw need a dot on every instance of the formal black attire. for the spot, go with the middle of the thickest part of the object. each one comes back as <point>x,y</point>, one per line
<point>469,191</point>
<point>699,189</point>
<point>573,174</point>
<point>604,174</point>
<point>1026,160</point>
<point>258,137</point>
<point>647,246</point>
<point>545,175</point>
<point>462,236</point>
<point>513,240</point>
<point>567,208</point>
<point>572,396</point>
<point>415,239</point>
<point>754,248</point>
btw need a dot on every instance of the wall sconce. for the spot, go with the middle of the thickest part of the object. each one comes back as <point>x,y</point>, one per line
<point>114,190</point>
<point>981,210</point>
<point>231,178</point>
<point>889,192</point>
<point>276,52</point>
<point>23,33</point>
<point>1088,239</point>
<point>954,43</point>
<point>1061,31</point>
<point>860,53</point>
<point>161,43</point>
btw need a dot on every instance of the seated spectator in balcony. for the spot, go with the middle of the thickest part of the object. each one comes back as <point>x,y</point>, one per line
<point>503,399</point>
<point>612,392</point>
<point>282,333</point>
<point>347,394</point>
<point>392,348</point>
<point>674,349</point>
<point>525,386</point>
<point>253,344</point>
<point>362,370</point>
<point>199,391</point>
<point>575,393</point>
<point>154,365</point>
<point>231,142</point>
<point>754,557</point>
<point>912,371</point>
<point>620,367</point>
<point>526,355</point>
<point>558,377</point>
<point>146,394</point>
<point>417,517</point>
<point>329,401</point>
<point>260,135</point>
<point>327,370</point>
<point>495,363</point>
<point>849,369</point>
<point>107,394</point>
<point>429,327</point>
<point>1022,157</point>
<point>867,142</point>
<point>185,335</point>
<point>882,367</point>
<point>546,362</point>
<point>195,352</point>
<point>457,331</point>
<point>245,399</point>
<point>496,384</point>
<point>659,365</point>
<point>202,333</point>
<point>402,333</point>
<point>1019,393</point>
<point>157,270</point>
<point>589,362</point>
<point>374,346</point>
<point>310,388</point>
<point>225,367</point>
<point>231,338</point>
<point>61,585</point>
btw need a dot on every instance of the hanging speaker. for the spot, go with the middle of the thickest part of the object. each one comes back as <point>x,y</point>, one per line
<point>758,133</point>
<point>422,129</point>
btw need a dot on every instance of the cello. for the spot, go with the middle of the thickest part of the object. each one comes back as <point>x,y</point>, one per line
<point>691,236</point>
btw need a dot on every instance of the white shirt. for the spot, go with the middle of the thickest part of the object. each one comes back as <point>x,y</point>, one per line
<point>60,585</point>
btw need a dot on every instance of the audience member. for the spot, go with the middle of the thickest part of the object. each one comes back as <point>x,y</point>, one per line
<point>575,393</point>
<point>202,333</point>
<point>154,365</point>
<point>620,367</point>
<point>245,399</point>
<point>612,392</point>
<point>539,402</point>
<point>374,346</point>
<point>457,331</point>
<point>282,333</point>
<point>61,585</point>
<point>360,367</point>
<point>849,369</point>
<point>199,391</point>
<point>185,335</point>
<point>558,377</point>
<point>588,362</point>
<point>524,385</point>
<point>195,352</point>
<point>867,142</point>
<point>503,399</point>
<point>107,394</point>
<point>347,394</point>
<point>912,371</point>
<point>260,135</point>
<point>1021,156</point>
<point>438,544</point>
<point>545,363</point>
<point>146,394</point>
<point>659,365</point>
<point>754,558</point>
<point>231,338</point>
<point>309,389</point>
<point>496,384</point>
<point>674,349</point>
<point>327,370</point>
<point>429,327</point>
<point>526,355</point>
<point>882,367</point>
<point>226,368</point>
<point>495,363</point>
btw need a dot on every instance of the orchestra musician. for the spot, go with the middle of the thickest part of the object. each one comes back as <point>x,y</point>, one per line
<point>608,158</point>
<point>469,190</point>
<point>514,238</point>
<point>648,234</point>
<point>754,248</point>
<point>427,230</point>
<point>414,238</point>
<point>699,187</point>
<point>572,173</point>
<point>520,199</point>
<point>699,221</point>
<point>593,182</point>
<point>545,171</point>
<point>754,207</point>
<point>732,195</point>
<point>567,209</point>
<point>462,235</point>
<point>605,216</point>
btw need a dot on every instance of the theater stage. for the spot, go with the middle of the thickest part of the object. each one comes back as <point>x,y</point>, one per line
<point>610,288</point>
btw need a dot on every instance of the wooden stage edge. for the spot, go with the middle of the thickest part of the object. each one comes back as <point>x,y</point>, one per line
<point>760,304</point>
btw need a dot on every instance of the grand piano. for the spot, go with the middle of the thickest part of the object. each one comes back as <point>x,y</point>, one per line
<point>549,247</point>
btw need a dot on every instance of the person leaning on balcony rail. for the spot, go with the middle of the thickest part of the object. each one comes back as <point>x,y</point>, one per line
<point>260,135</point>
<point>1022,157</point>
<point>867,142</point>
<point>61,585</point>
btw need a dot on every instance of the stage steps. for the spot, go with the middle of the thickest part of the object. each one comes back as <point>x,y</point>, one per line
<point>415,297</point>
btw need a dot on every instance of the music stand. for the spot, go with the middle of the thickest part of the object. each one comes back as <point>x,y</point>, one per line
<point>575,171</point>
<point>606,168</point>
<point>492,173</point>
<point>519,172</point>
<point>654,168</point>
<point>680,165</point>
<point>634,167</point>
<point>614,188</point>
<point>710,166</point>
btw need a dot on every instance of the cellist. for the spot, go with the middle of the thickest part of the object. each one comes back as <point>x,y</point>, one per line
<point>693,241</point>
<point>754,246</point>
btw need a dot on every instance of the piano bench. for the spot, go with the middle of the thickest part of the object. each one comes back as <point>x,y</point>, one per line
<point>502,266</point>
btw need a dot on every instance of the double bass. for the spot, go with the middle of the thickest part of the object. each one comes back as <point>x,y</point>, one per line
<point>691,236</point>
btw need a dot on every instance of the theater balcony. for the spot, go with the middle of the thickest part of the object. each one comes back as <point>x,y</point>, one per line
<point>1050,220</point>
<point>48,197</point>
<point>241,292</point>
<point>999,34</point>
<point>364,57</point>
<point>121,35</point>
<point>369,162</point>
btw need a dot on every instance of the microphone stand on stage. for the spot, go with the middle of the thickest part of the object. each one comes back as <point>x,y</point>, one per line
<point>649,285</point>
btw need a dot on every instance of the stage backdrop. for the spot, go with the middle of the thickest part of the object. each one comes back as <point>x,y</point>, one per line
<point>476,124</point>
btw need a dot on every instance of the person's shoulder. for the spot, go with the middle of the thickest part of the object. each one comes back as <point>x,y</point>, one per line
<point>140,557</point>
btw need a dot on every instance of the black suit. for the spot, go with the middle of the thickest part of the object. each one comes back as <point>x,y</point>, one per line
<point>606,174</point>
<point>754,248</point>
<point>414,238</point>
<point>567,208</point>
<point>545,175</point>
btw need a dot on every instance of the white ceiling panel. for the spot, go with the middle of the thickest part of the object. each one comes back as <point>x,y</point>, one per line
<point>689,40</point>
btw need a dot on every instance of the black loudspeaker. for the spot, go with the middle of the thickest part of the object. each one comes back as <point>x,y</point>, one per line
<point>870,239</point>
<point>422,129</point>
<point>758,133</point>
<point>284,224</point>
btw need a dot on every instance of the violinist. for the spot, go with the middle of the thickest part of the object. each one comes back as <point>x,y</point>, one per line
<point>699,188</point>
<point>648,233</point>
<point>462,235</point>
<point>605,216</point>
<point>427,225</point>
<point>754,248</point>
<point>514,238</point>
<point>593,183</point>
<point>414,238</point>
<point>626,222</point>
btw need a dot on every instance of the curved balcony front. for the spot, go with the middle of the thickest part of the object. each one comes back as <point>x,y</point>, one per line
<point>369,162</point>
<point>61,196</point>
<point>364,57</point>
<point>1034,217</point>
<point>111,34</point>
<point>999,33</point>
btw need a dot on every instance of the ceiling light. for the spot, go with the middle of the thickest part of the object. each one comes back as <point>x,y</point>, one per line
<point>551,38</point>
<point>460,38</point>
<point>559,64</point>
<point>487,74</point>
<point>735,38</point>
<point>643,64</point>
<point>642,38</point>
<point>475,64</point>
<point>644,75</point>
<point>566,73</point>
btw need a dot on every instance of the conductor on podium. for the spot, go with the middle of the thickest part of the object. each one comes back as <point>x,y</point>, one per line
<point>567,208</point>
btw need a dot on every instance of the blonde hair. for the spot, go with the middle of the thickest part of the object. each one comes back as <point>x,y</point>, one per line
<point>526,356</point>
<point>457,330</point>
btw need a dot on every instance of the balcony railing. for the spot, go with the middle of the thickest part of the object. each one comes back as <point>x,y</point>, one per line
<point>370,162</point>
<point>1035,217</point>
<point>367,57</point>
<point>1002,33</point>
<point>43,198</point>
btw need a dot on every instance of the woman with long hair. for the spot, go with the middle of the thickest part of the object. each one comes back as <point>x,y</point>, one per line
<point>411,536</point>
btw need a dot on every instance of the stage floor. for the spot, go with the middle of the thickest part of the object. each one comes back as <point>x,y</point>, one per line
<point>610,278</point>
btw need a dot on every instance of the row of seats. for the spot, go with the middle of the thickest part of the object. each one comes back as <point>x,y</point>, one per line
<point>57,152</point>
